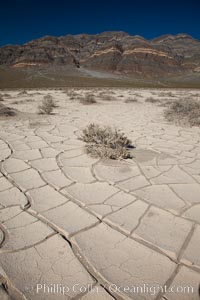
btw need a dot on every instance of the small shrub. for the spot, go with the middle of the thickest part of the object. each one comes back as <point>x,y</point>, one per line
<point>184,111</point>
<point>47,105</point>
<point>72,94</point>
<point>49,98</point>
<point>138,95</point>
<point>107,96</point>
<point>6,111</point>
<point>105,142</point>
<point>166,94</point>
<point>35,94</point>
<point>88,99</point>
<point>195,95</point>
<point>152,100</point>
<point>22,93</point>
<point>170,94</point>
<point>131,100</point>
<point>1,98</point>
<point>166,102</point>
<point>28,100</point>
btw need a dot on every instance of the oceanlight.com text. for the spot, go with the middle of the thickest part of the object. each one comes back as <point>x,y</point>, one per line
<point>113,288</point>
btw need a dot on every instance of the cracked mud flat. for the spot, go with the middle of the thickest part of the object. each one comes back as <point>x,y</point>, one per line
<point>68,220</point>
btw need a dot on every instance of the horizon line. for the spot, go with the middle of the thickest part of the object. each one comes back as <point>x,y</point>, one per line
<point>99,33</point>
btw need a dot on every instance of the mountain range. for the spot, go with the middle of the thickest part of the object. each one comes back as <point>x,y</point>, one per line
<point>108,58</point>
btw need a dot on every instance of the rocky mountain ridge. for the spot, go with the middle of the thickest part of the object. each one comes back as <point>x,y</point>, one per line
<point>113,52</point>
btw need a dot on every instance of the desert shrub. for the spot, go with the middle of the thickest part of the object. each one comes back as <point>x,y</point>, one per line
<point>107,96</point>
<point>105,142</point>
<point>166,94</point>
<point>49,98</point>
<point>88,99</point>
<point>184,111</point>
<point>131,100</point>
<point>23,101</point>
<point>22,93</point>
<point>27,100</point>
<point>170,94</point>
<point>1,98</point>
<point>195,95</point>
<point>47,105</point>
<point>6,111</point>
<point>152,100</point>
<point>137,95</point>
<point>35,94</point>
<point>166,102</point>
<point>72,94</point>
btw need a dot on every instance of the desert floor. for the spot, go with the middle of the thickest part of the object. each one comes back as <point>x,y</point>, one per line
<point>93,228</point>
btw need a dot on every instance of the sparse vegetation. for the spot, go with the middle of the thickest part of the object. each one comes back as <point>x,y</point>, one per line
<point>72,94</point>
<point>138,95</point>
<point>107,96</point>
<point>195,95</point>
<point>49,98</point>
<point>131,100</point>
<point>166,102</point>
<point>184,112</point>
<point>170,94</point>
<point>47,105</point>
<point>5,95</point>
<point>1,98</point>
<point>88,99</point>
<point>6,111</point>
<point>166,94</point>
<point>23,101</point>
<point>23,93</point>
<point>152,100</point>
<point>105,142</point>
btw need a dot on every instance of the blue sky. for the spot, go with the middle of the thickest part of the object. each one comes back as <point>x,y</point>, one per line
<point>22,21</point>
